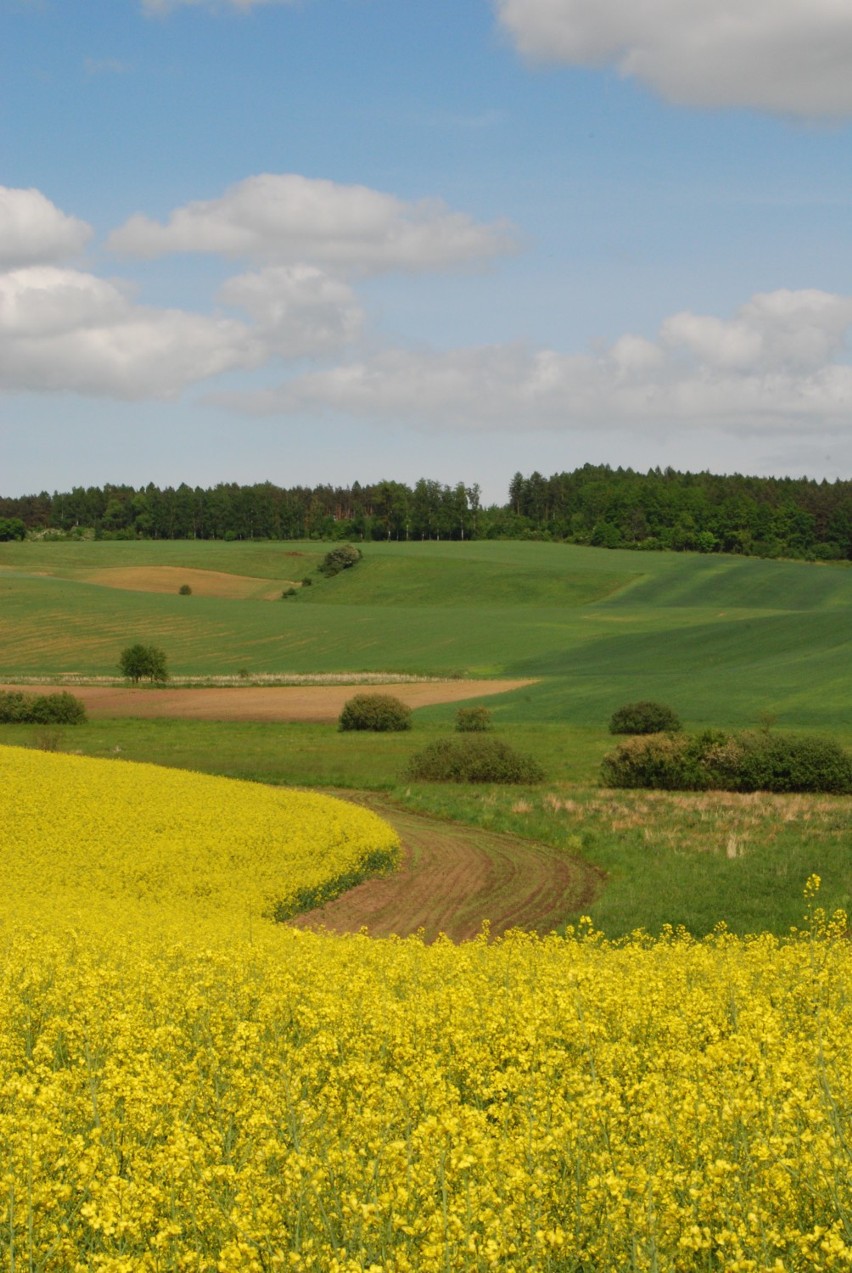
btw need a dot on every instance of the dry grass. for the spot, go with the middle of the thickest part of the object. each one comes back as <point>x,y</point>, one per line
<point>204,583</point>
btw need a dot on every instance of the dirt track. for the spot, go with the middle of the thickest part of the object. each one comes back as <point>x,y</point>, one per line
<point>453,877</point>
<point>263,702</point>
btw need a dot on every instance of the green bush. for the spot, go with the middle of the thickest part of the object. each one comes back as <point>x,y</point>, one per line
<point>473,720</point>
<point>41,709</point>
<point>380,712</point>
<point>184,590</point>
<point>342,558</point>
<point>473,760</point>
<point>663,761</point>
<point>730,762</point>
<point>644,718</point>
<point>784,762</point>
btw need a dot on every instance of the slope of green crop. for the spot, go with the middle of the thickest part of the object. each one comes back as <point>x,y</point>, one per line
<point>74,559</point>
<point>724,640</point>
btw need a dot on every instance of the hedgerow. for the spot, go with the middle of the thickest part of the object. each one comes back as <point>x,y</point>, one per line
<point>41,709</point>
<point>714,760</point>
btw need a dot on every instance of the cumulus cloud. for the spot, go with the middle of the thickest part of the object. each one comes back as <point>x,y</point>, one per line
<point>32,229</point>
<point>785,56</point>
<point>62,329</point>
<point>777,364</point>
<point>301,310</point>
<point>285,218</point>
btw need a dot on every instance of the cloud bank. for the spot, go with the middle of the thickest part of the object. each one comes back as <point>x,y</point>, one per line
<point>68,329</point>
<point>786,56</point>
<point>283,218</point>
<point>780,363</point>
<point>774,365</point>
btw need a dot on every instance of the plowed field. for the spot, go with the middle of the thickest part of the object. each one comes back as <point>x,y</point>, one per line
<point>454,877</point>
<point>264,703</point>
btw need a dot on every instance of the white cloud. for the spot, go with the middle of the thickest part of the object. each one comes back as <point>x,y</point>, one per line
<point>786,56</point>
<point>32,229</point>
<point>301,310</point>
<point>774,365</point>
<point>286,218</point>
<point>62,329</point>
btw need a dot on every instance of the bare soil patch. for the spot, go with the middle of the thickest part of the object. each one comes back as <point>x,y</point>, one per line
<point>204,583</point>
<point>453,878</point>
<point>319,703</point>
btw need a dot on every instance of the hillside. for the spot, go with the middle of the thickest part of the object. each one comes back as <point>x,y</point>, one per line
<point>726,638</point>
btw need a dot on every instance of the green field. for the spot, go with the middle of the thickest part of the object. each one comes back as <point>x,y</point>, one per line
<point>727,642</point>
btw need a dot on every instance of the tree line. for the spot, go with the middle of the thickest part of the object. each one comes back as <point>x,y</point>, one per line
<point>598,505</point>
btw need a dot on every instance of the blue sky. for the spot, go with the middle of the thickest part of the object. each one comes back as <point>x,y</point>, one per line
<point>352,239</point>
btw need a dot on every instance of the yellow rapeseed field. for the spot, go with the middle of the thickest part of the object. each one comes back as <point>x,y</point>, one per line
<point>185,1085</point>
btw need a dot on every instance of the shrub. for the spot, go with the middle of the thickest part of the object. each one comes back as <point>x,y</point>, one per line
<point>288,592</point>
<point>787,762</point>
<point>473,760</point>
<point>184,590</point>
<point>380,712</point>
<point>473,720</point>
<point>731,762</point>
<point>41,709</point>
<point>663,761</point>
<point>644,718</point>
<point>342,558</point>
<point>143,661</point>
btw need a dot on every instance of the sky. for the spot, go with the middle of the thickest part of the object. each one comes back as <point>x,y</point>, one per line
<point>308,241</point>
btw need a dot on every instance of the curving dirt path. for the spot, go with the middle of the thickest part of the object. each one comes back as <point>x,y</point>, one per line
<point>453,877</point>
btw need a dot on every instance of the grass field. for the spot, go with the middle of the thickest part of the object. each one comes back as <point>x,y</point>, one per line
<point>726,641</point>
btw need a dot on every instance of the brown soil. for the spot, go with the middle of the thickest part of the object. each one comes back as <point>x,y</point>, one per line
<point>321,703</point>
<point>454,877</point>
<point>204,583</point>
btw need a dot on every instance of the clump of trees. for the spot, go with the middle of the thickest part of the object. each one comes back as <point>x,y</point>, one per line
<point>718,761</point>
<point>143,663</point>
<point>382,713</point>
<point>41,709</point>
<point>644,717</point>
<point>342,558</point>
<point>474,759</point>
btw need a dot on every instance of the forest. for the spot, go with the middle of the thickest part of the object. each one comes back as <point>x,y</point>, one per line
<point>605,507</point>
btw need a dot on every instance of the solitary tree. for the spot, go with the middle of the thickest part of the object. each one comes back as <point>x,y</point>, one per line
<point>143,661</point>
